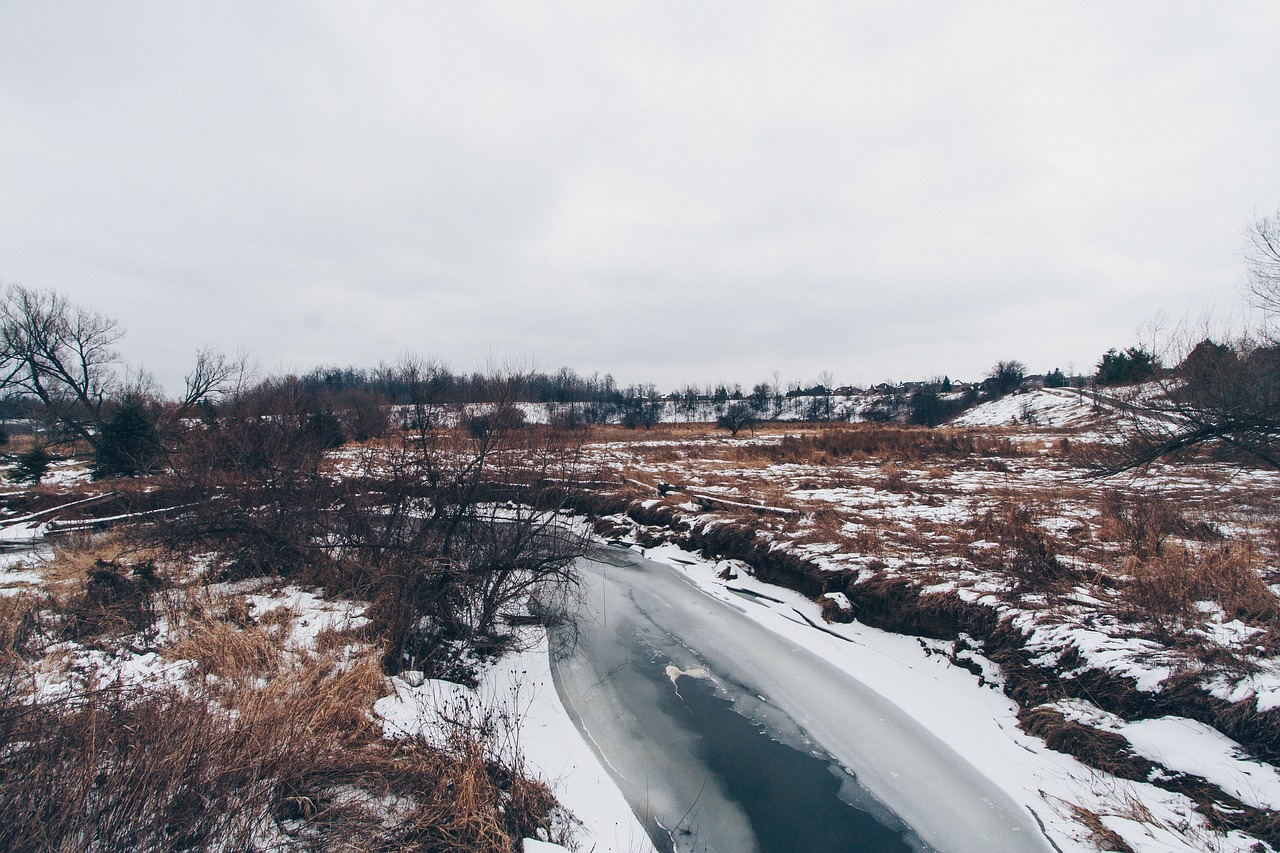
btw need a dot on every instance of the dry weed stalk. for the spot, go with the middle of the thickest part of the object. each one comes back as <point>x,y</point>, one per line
<point>297,759</point>
<point>1167,586</point>
<point>1102,836</point>
<point>23,624</point>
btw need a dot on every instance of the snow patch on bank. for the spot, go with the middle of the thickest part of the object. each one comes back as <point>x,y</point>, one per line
<point>981,724</point>
<point>517,694</point>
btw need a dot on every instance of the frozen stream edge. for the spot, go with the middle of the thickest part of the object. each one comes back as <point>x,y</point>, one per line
<point>944,799</point>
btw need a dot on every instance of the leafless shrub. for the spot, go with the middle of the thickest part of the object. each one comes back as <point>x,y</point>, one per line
<point>1143,522</point>
<point>447,527</point>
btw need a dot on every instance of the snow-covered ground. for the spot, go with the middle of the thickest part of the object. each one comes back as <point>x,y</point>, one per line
<point>956,524</point>
<point>936,522</point>
<point>518,692</point>
<point>981,724</point>
<point>1057,408</point>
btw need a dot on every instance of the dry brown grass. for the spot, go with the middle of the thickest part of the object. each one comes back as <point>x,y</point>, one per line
<point>1142,522</point>
<point>297,757</point>
<point>227,649</point>
<point>867,441</point>
<point>1025,553</point>
<point>1102,836</point>
<point>76,557</point>
<point>1165,587</point>
<point>894,479</point>
<point>23,624</point>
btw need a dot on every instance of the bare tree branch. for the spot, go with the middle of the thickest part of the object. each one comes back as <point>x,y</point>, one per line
<point>61,353</point>
<point>1262,259</point>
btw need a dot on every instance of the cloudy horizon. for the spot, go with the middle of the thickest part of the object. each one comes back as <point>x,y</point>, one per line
<point>666,192</point>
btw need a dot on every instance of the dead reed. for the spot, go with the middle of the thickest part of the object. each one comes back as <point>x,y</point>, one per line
<point>1166,588</point>
<point>296,760</point>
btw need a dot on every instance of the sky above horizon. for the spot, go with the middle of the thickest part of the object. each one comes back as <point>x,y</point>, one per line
<point>667,192</point>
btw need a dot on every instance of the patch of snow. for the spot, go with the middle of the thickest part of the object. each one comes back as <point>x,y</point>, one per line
<point>66,472</point>
<point>841,600</point>
<point>313,615</point>
<point>1188,746</point>
<point>1192,747</point>
<point>519,691</point>
<point>980,723</point>
<point>534,846</point>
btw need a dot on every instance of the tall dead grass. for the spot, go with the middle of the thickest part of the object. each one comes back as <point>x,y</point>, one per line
<point>23,625</point>
<point>298,760</point>
<point>228,649</point>
<point>1143,522</point>
<point>1024,552</point>
<point>875,441</point>
<point>1165,588</point>
<point>261,747</point>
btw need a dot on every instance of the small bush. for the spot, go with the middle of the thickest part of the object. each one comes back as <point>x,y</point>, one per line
<point>736,417</point>
<point>128,444</point>
<point>484,424</point>
<point>116,599</point>
<point>1144,522</point>
<point>31,464</point>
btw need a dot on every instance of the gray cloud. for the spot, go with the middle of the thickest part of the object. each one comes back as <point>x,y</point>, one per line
<point>664,191</point>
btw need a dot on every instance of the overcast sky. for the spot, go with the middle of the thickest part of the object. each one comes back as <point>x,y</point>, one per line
<point>670,192</point>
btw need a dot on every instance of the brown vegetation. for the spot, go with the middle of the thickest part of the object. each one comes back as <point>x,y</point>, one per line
<point>297,759</point>
<point>868,441</point>
<point>1168,585</point>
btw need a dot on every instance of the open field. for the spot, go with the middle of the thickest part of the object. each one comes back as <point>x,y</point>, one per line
<point>1134,621</point>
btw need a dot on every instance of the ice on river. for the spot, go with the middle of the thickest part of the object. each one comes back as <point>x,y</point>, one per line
<point>644,616</point>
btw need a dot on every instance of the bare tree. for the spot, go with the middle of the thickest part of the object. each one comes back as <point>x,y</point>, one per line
<point>448,527</point>
<point>1223,396</point>
<point>827,379</point>
<point>1005,377</point>
<point>62,354</point>
<point>737,415</point>
<point>1262,260</point>
<point>213,373</point>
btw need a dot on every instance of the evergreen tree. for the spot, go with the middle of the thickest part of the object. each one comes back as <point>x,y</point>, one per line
<point>128,443</point>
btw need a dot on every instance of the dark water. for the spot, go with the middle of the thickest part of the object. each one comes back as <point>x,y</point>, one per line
<point>729,750</point>
<point>791,798</point>
<point>741,761</point>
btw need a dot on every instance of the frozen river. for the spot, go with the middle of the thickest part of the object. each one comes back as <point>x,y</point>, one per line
<point>725,736</point>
